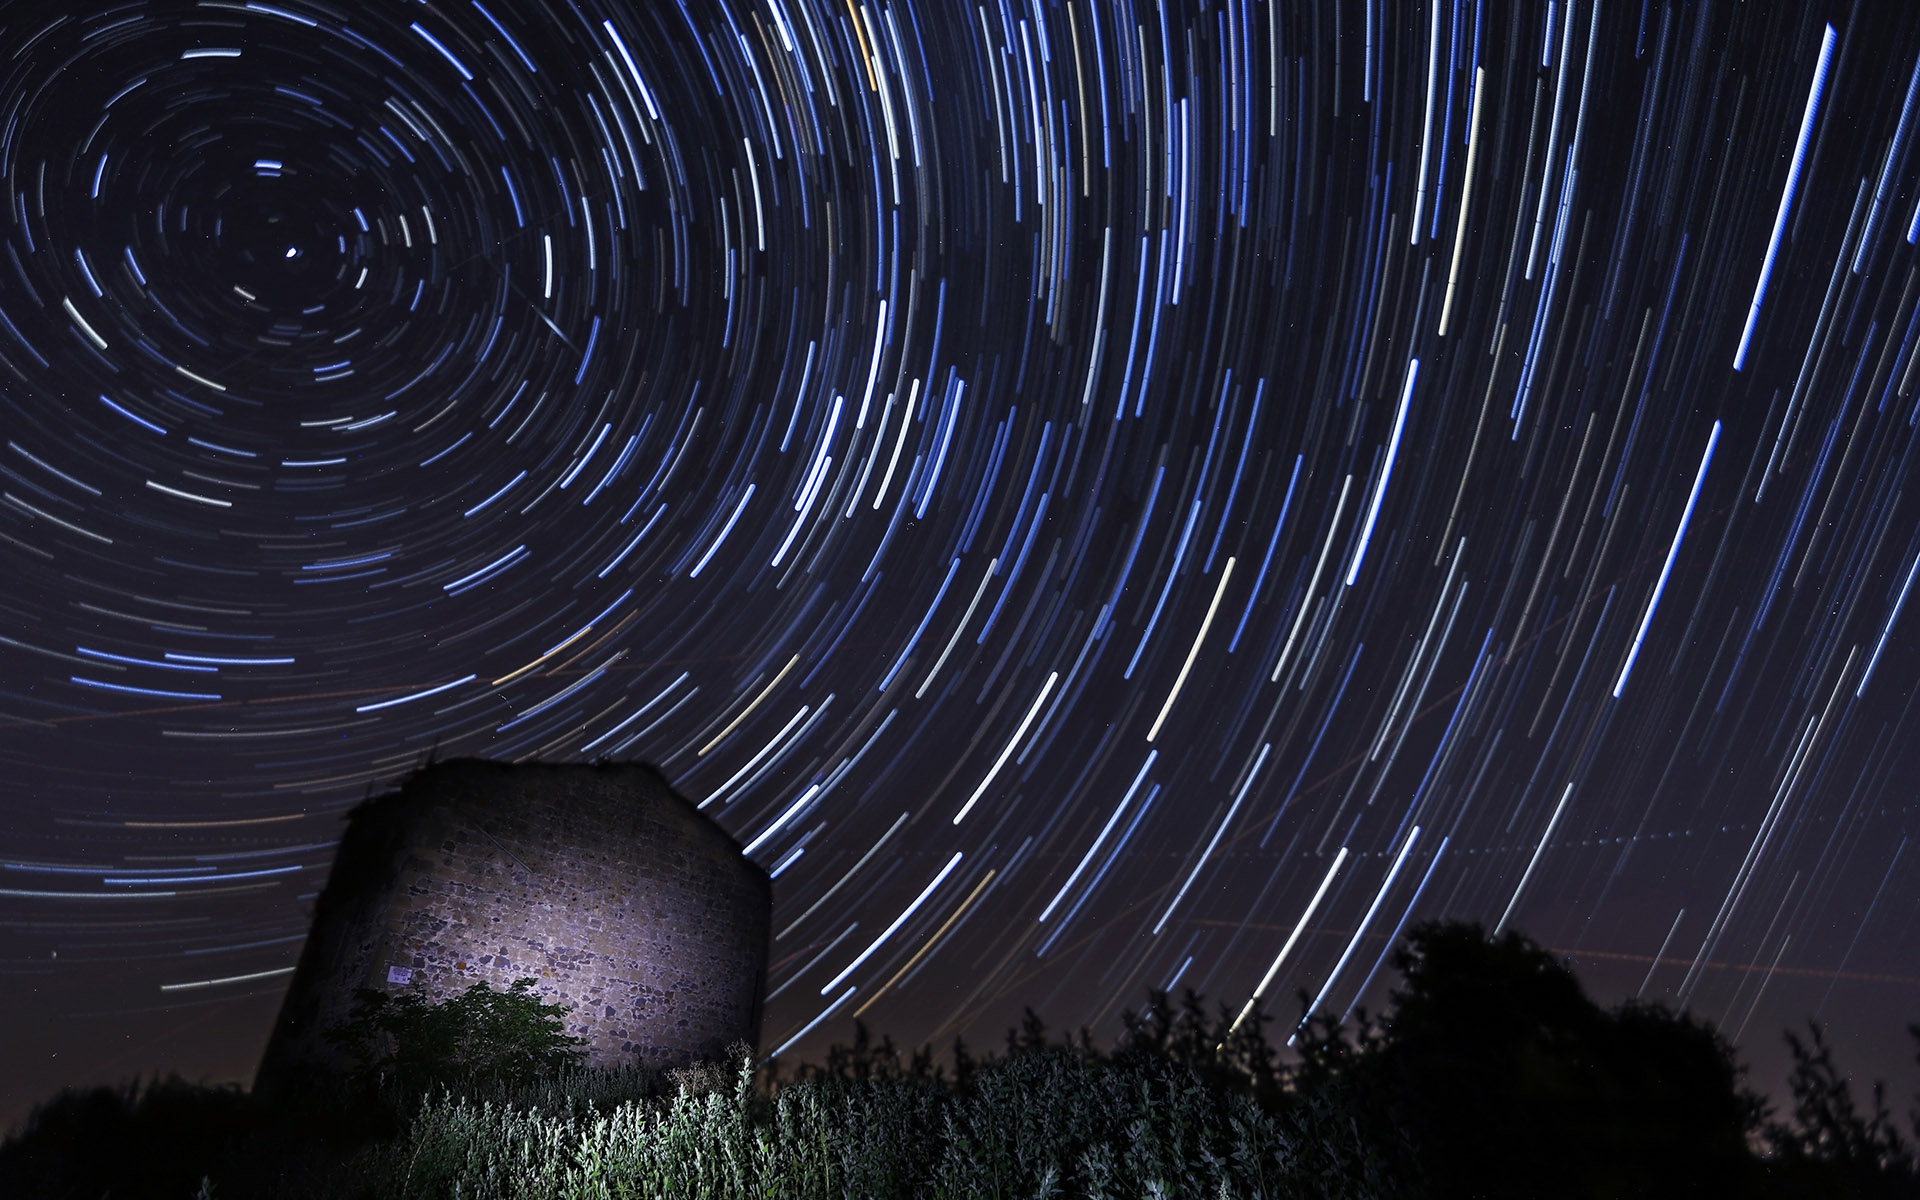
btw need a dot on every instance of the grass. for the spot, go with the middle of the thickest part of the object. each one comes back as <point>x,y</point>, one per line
<point>1046,1121</point>
<point>1042,1123</point>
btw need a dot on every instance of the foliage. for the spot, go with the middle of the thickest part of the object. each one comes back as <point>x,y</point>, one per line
<point>479,1037</point>
<point>1831,1148</point>
<point>1490,1074</point>
<point>1492,1054</point>
<point>1236,1059</point>
<point>1046,1121</point>
<point>161,1125</point>
<point>867,1059</point>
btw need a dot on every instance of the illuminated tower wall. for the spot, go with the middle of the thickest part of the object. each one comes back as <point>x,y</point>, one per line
<point>619,897</point>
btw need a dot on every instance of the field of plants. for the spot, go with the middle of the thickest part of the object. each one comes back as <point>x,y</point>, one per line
<point>1490,1075</point>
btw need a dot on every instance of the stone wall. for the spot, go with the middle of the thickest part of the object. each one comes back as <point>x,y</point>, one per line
<point>615,894</point>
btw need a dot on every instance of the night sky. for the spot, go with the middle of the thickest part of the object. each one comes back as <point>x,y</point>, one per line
<point>1095,497</point>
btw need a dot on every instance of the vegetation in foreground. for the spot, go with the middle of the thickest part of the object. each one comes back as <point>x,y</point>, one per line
<point>1491,1074</point>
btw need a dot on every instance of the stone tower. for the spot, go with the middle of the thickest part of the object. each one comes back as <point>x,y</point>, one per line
<point>619,897</point>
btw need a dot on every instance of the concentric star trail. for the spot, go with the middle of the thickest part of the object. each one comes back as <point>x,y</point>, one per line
<point>1139,465</point>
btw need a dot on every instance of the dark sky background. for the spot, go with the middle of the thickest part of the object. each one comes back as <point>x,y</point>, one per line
<point>1096,497</point>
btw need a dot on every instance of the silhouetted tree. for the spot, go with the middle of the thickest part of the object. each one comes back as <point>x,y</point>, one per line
<point>1510,1082</point>
<point>1830,1147</point>
<point>1675,1116</point>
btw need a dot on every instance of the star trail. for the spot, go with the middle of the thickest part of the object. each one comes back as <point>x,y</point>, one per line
<point>1093,496</point>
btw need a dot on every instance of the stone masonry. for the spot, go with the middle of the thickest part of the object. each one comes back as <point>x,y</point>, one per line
<point>615,894</point>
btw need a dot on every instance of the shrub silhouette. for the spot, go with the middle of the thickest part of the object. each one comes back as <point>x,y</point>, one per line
<point>157,1138</point>
<point>866,1059</point>
<point>1236,1060</point>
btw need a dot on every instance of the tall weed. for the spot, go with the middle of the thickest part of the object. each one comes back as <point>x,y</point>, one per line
<point>1044,1123</point>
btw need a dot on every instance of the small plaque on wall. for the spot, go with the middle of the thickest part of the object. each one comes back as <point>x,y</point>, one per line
<point>399,974</point>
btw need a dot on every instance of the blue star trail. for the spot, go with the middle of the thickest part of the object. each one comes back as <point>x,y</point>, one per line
<point>1093,496</point>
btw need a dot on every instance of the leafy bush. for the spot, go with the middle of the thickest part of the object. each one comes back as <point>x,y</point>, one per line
<point>478,1038</point>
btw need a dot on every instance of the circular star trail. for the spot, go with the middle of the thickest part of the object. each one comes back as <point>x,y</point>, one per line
<point>1093,496</point>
